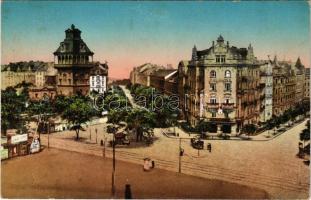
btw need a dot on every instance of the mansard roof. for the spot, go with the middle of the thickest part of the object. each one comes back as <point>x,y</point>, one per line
<point>73,43</point>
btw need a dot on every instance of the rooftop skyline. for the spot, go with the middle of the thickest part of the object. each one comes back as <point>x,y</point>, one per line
<point>129,34</point>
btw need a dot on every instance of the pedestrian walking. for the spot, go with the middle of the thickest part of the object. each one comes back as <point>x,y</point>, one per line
<point>209,147</point>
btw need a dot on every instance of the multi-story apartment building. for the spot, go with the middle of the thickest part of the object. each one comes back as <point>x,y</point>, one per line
<point>11,78</point>
<point>141,74</point>
<point>307,84</point>
<point>183,88</point>
<point>74,62</point>
<point>300,81</point>
<point>42,73</point>
<point>99,78</point>
<point>266,82</point>
<point>286,80</point>
<point>164,80</point>
<point>223,83</point>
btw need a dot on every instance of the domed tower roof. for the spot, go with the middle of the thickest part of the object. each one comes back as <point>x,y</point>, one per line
<point>73,43</point>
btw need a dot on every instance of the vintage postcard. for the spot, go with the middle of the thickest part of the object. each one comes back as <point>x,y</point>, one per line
<point>155,99</point>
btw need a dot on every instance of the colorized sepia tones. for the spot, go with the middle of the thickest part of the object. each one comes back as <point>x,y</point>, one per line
<point>149,100</point>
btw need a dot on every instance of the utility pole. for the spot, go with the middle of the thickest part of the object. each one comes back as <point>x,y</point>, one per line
<point>90,134</point>
<point>179,167</point>
<point>104,150</point>
<point>96,134</point>
<point>48,134</point>
<point>113,163</point>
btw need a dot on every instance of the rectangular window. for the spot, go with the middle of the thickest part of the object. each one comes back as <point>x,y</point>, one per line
<point>213,100</point>
<point>227,86</point>
<point>213,86</point>
<point>223,59</point>
<point>217,59</point>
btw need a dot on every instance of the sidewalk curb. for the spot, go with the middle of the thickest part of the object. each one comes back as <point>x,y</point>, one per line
<point>239,139</point>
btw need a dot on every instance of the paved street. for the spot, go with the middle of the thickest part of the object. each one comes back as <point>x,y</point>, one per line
<point>56,173</point>
<point>269,165</point>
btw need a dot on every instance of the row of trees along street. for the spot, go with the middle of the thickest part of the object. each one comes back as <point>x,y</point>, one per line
<point>79,109</point>
<point>16,108</point>
<point>250,129</point>
<point>305,149</point>
<point>140,120</point>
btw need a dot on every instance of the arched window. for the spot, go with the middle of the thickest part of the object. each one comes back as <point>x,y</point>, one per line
<point>213,74</point>
<point>227,74</point>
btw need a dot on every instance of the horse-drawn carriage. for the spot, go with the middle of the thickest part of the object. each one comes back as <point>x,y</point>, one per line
<point>197,143</point>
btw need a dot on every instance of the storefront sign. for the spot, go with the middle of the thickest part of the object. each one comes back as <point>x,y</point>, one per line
<point>4,153</point>
<point>19,138</point>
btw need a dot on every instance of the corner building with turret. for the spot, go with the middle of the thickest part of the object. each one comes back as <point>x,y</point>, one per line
<point>222,87</point>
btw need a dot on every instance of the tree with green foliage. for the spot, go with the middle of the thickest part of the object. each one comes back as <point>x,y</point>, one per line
<point>204,126</point>
<point>305,134</point>
<point>41,108</point>
<point>61,102</point>
<point>12,105</point>
<point>77,113</point>
<point>140,120</point>
<point>116,116</point>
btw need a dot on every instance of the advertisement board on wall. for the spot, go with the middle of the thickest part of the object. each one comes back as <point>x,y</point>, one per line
<point>19,138</point>
<point>4,153</point>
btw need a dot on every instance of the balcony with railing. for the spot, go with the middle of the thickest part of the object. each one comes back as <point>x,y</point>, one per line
<point>226,91</point>
<point>212,105</point>
<point>227,105</point>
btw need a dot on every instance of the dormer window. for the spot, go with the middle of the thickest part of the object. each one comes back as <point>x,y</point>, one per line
<point>220,59</point>
<point>217,59</point>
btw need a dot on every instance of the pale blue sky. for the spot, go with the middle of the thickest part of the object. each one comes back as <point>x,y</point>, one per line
<point>131,33</point>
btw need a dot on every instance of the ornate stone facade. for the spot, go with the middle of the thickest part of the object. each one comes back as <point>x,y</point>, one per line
<point>99,78</point>
<point>221,87</point>
<point>74,61</point>
<point>289,83</point>
<point>307,85</point>
<point>266,83</point>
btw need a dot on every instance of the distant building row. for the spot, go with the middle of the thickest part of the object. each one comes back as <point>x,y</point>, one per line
<point>73,71</point>
<point>228,87</point>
